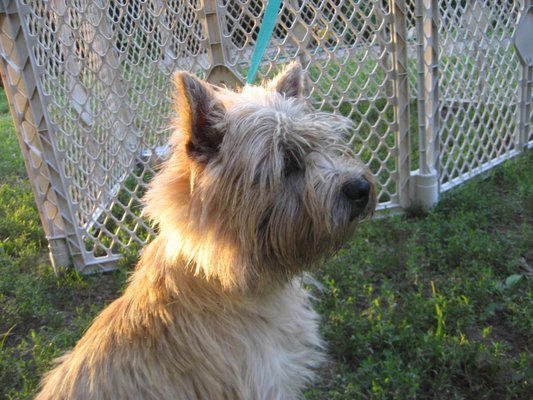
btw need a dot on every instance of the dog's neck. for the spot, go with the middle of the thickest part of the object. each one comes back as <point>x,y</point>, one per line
<point>167,269</point>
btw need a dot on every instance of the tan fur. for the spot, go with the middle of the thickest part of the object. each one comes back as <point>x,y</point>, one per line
<point>250,197</point>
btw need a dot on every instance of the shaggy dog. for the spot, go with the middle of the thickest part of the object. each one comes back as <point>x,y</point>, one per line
<point>257,189</point>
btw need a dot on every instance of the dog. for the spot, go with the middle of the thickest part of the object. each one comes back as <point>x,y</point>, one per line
<point>258,188</point>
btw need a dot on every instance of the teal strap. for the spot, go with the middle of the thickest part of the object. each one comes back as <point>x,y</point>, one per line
<point>265,32</point>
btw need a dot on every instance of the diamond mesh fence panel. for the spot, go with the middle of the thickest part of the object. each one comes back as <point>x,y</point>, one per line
<point>101,71</point>
<point>479,87</point>
<point>89,84</point>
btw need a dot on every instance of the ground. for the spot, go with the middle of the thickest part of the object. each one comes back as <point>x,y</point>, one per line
<point>427,305</point>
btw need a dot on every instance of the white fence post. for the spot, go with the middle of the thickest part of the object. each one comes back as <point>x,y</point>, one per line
<point>525,138</point>
<point>525,109</point>
<point>29,115</point>
<point>401,93</point>
<point>219,73</point>
<point>425,187</point>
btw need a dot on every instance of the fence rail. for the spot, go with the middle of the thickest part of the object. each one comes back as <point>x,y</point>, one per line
<point>434,88</point>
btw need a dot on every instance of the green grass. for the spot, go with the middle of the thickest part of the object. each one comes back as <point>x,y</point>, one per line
<point>434,305</point>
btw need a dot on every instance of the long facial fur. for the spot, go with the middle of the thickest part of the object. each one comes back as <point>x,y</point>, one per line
<point>258,198</point>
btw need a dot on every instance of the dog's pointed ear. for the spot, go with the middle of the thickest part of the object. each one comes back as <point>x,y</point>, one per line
<point>290,81</point>
<point>199,114</point>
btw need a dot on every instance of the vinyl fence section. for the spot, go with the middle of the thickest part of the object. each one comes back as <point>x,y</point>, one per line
<point>434,88</point>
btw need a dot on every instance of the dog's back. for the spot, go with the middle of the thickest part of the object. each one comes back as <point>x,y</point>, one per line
<point>191,341</point>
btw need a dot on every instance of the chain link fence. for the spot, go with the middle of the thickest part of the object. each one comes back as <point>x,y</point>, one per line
<point>434,88</point>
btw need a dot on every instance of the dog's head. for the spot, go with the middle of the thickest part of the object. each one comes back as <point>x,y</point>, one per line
<point>258,180</point>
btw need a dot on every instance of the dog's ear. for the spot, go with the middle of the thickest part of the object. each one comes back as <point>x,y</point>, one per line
<point>290,81</point>
<point>199,112</point>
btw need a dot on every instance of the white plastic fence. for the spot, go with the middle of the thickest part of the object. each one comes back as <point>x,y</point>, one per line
<point>435,90</point>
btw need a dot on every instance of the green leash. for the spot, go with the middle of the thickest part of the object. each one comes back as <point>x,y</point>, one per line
<point>265,33</point>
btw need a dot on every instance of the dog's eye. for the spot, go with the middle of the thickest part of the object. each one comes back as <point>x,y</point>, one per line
<point>292,165</point>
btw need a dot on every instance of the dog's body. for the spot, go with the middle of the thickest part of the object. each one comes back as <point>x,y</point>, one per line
<point>189,341</point>
<point>257,189</point>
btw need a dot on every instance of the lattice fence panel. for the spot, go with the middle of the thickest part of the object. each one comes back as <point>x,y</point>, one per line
<point>102,71</point>
<point>479,87</point>
<point>428,84</point>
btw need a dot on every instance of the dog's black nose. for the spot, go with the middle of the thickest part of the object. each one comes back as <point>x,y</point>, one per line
<point>357,191</point>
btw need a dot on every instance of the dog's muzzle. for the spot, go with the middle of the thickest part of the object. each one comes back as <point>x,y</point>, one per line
<point>357,191</point>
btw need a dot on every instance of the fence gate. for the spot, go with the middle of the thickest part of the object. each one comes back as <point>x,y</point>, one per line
<point>434,88</point>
